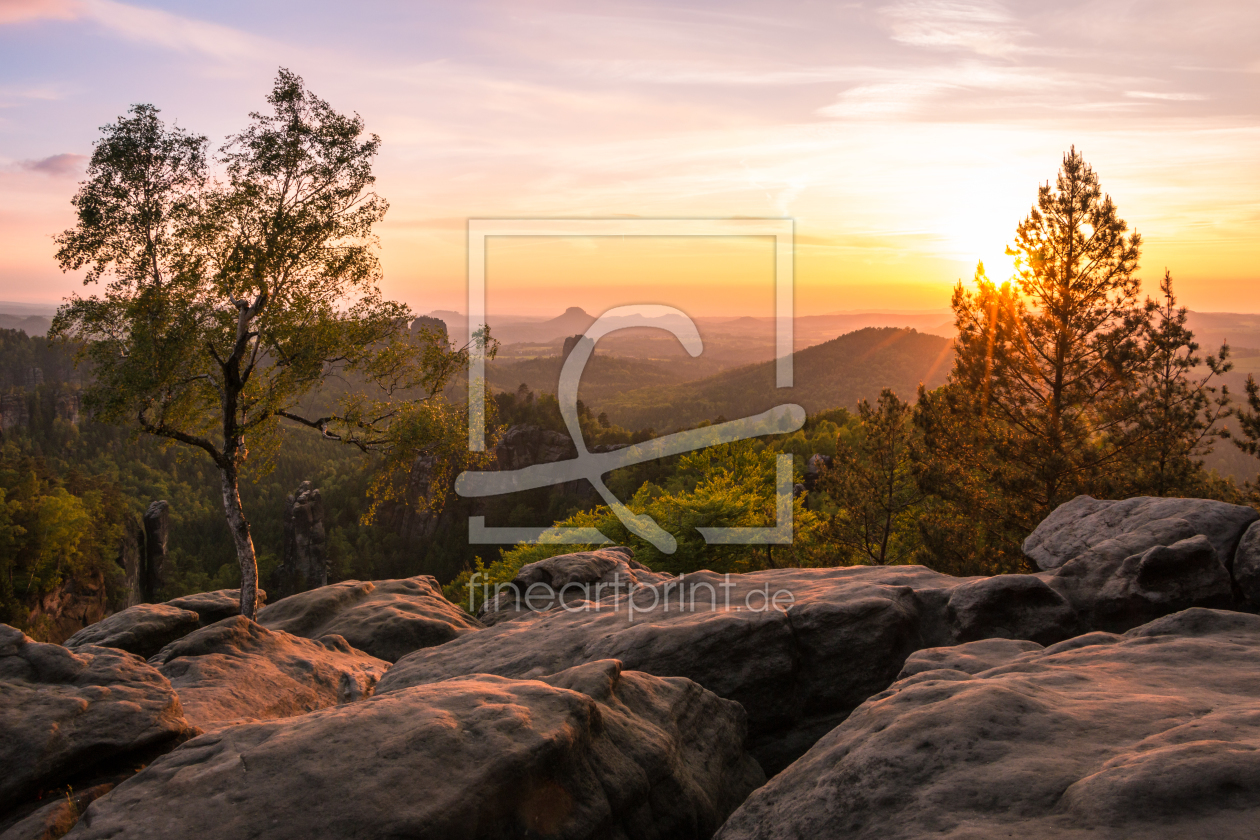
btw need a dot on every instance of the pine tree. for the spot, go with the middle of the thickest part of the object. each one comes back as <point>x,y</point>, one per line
<point>1042,367</point>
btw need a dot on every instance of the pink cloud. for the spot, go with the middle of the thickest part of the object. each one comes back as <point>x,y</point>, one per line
<point>57,165</point>
<point>16,11</point>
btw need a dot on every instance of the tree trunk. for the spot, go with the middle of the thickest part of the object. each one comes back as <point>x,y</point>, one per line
<point>239,527</point>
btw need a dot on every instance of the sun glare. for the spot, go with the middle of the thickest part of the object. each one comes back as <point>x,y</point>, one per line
<point>979,228</point>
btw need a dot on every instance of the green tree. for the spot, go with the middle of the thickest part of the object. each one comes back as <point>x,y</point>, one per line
<point>726,485</point>
<point>1175,416</point>
<point>873,483</point>
<point>230,302</point>
<point>1043,365</point>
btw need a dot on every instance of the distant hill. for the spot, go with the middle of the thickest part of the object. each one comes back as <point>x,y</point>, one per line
<point>835,374</point>
<point>32,325</point>
<point>574,320</point>
<point>1212,328</point>
<point>745,332</point>
<point>603,378</point>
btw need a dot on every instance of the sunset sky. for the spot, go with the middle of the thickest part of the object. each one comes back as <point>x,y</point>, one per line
<point>906,139</point>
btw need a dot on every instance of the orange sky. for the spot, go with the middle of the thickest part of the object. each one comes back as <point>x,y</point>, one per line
<point>906,139</point>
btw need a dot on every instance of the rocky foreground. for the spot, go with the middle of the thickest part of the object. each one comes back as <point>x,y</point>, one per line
<point>1114,694</point>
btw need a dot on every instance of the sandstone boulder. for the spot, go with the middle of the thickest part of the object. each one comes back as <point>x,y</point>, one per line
<point>143,629</point>
<point>1154,734</point>
<point>1247,566</point>
<point>387,619</point>
<point>798,648</point>
<point>591,752</point>
<point>214,606</point>
<point>568,578</point>
<point>1119,529</point>
<point>237,670</point>
<point>1011,607</point>
<point>66,713</point>
<point>1118,594</point>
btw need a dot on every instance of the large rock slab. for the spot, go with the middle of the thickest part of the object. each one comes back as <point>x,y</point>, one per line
<point>580,576</point>
<point>1119,529</point>
<point>237,670</point>
<point>836,637</point>
<point>66,713</point>
<point>843,634</point>
<point>591,752</point>
<point>1154,734</point>
<point>143,629</point>
<point>386,618</point>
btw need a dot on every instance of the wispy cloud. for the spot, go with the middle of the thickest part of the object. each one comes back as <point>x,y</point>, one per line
<point>715,73</point>
<point>143,25</point>
<point>1171,97</point>
<point>20,11</point>
<point>173,31</point>
<point>12,95</point>
<point>61,165</point>
<point>984,28</point>
<point>893,99</point>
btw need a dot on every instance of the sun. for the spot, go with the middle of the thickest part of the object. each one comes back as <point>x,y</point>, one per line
<point>979,226</point>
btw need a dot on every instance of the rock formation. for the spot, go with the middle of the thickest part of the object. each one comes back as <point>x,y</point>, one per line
<point>143,629</point>
<point>157,529</point>
<point>572,577</point>
<point>71,605</point>
<point>1087,526</point>
<point>304,555</point>
<point>146,628</point>
<point>847,631</point>
<point>387,618</point>
<point>1246,567</point>
<point>142,554</point>
<point>65,714</point>
<point>214,606</point>
<point>131,560</point>
<point>590,752</point>
<point>571,342</point>
<point>1152,734</point>
<point>236,670</point>
<point>1113,694</point>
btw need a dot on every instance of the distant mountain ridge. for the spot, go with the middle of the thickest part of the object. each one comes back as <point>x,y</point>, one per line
<point>835,374</point>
